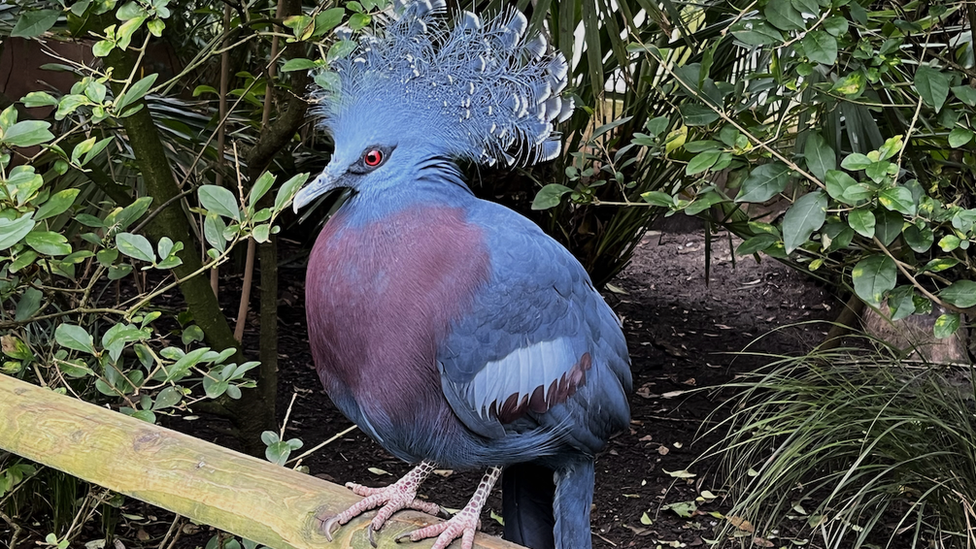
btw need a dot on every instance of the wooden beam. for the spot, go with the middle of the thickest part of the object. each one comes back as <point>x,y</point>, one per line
<point>257,500</point>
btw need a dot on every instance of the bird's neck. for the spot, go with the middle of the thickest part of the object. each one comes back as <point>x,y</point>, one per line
<point>438,185</point>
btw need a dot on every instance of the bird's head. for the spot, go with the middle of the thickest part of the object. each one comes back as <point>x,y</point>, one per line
<point>422,88</point>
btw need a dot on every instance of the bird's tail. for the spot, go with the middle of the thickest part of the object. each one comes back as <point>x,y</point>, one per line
<point>546,509</point>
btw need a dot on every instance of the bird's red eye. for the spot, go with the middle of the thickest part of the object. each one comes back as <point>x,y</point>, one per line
<point>373,158</point>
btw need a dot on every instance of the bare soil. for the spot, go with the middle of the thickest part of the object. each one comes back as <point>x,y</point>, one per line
<point>684,332</point>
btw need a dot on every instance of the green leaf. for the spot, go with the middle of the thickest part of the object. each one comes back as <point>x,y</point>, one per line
<point>135,92</point>
<point>130,10</point>
<point>836,25</point>
<point>11,232</point>
<point>48,243</point>
<point>756,244</point>
<point>837,183</point>
<point>862,221</point>
<point>180,368</point>
<point>806,215</point>
<point>949,242</point>
<point>809,9</point>
<point>764,182</point>
<point>165,246</point>
<point>167,398</point>
<point>609,126</point>
<point>57,204</point>
<point>697,115</point>
<point>549,196</point>
<point>213,231</point>
<point>782,15</point>
<point>82,148</point>
<point>328,20</point>
<point>940,264</point>
<point>102,48</point>
<point>658,198</point>
<point>288,189</point>
<point>703,146</point>
<point>340,49</point>
<point>965,94</point>
<point>684,509</point>
<point>703,201</point>
<point>74,337</point>
<point>959,137</point>
<point>888,225</point>
<point>919,239</point>
<point>358,21</point>
<point>115,338</point>
<point>877,171</point>
<point>32,24</point>
<point>946,325</point>
<point>836,236</point>
<point>820,47</point>
<point>327,80</point>
<point>702,162</point>
<point>856,161</point>
<point>933,86</point>
<point>260,188</point>
<point>901,301</point>
<point>136,246</point>
<point>116,272</point>
<point>24,259</point>
<point>191,334</point>
<point>69,104</point>
<point>298,64</point>
<point>898,199</point>
<point>97,149</point>
<point>856,193</point>
<point>144,415</point>
<point>873,276</point>
<point>657,125</point>
<point>961,293</point>
<point>890,148</point>
<point>220,201</point>
<point>820,157</point>
<point>27,133</point>
<point>156,27</point>
<point>29,304</point>
<point>261,233</point>
<point>756,32</point>
<point>39,99</point>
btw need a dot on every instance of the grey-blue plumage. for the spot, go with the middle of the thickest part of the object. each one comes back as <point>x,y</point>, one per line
<point>452,330</point>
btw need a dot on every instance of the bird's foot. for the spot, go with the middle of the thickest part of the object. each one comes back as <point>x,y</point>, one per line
<point>462,525</point>
<point>395,497</point>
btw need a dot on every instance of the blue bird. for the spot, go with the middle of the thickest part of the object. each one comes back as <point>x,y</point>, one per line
<point>452,330</point>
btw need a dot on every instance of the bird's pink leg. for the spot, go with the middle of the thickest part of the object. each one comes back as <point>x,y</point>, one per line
<point>400,495</point>
<point>462,525</point>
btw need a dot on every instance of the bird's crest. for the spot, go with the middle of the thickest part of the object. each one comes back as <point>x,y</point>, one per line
<point>478,90</point>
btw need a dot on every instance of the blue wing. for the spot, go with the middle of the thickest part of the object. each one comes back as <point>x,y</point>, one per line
<point>540,347</point>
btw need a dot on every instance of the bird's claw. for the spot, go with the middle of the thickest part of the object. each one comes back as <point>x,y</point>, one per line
<point>331,526</point>
<point>370,531</point>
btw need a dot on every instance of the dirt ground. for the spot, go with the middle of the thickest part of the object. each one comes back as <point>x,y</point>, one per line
<point>683,332</point>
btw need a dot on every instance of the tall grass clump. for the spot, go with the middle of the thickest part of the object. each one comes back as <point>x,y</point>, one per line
<point>851,449</point>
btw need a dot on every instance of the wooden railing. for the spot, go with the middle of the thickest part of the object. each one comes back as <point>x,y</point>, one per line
<point>257,500</point>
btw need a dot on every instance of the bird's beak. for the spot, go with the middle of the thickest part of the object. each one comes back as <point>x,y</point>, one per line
<point>325,182</point>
